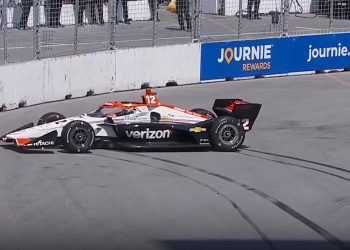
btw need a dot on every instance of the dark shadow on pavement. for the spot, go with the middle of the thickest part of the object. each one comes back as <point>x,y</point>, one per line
<point>113,147</point>
<point>250,245</point>
<point>176,29</point>
<point>62,151</point>
<point>22,150</point>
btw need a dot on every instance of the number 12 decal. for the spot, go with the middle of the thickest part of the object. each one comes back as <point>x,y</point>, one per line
<point>151,99</point>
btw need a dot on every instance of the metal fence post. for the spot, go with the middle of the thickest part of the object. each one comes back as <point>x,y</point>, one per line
<point>36,49</point>
<point>76,10</point>
<point>154,13</point>
<point>111,23</point>
<point>195,20</point>
<point>240,10</point>
<point>331,10</point>
<point>4,28</point>
<point>285,18</point>
<point>280,18</point>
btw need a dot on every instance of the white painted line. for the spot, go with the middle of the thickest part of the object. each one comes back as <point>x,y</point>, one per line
<point>44,45</point>
<point>308,28</point>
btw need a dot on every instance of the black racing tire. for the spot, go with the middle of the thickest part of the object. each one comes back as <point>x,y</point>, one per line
<point>77,137</point>
<point>241,145</point>
<point>227,134</point>
<point>50,117</point>
<point>203,111</point>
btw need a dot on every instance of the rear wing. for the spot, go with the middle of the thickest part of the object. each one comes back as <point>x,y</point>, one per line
<point>245,111</point>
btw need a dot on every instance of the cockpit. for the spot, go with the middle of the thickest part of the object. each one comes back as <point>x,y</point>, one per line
<point>111,112</point>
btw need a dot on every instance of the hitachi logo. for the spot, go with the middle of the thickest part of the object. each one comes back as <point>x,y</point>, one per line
<point>148,134</point>
<point>41,143</point>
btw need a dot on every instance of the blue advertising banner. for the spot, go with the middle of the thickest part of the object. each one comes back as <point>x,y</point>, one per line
<point>317,52</point>
<point>274,56</point>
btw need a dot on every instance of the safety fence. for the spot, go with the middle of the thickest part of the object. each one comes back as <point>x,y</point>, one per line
<point>35,29</point>
<point>54,79</point>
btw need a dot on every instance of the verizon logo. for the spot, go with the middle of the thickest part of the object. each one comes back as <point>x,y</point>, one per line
<point>149,134</point>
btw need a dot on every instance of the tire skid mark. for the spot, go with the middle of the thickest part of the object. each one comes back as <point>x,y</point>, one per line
<point>332,239</point>
<point>300,159</point>
<point>297,165</point>
<point>240,211</point>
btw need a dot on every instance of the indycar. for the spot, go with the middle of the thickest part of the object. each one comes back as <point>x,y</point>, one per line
<point>142,125</point>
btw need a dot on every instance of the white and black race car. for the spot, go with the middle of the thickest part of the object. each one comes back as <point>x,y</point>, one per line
<point>142,125</point>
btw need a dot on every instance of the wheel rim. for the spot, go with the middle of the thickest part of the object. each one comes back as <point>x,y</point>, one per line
<point>228,134</point>
<point>79,137</point>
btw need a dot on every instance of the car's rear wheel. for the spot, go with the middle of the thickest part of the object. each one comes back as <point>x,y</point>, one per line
<point>227,133</point>
<point>50,117</point>
<point>203,112</point>
<point>77,137</point>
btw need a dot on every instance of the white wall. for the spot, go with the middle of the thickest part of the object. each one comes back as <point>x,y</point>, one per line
<point>52,79</point>
<point>158,65</point>
<point>16,83</point>
<point>76,75</point>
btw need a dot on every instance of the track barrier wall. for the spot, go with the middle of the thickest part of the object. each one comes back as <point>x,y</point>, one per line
<point>53,79</point>
<point>220,60</point>
<point>103,72</point>
<point>157,66</point>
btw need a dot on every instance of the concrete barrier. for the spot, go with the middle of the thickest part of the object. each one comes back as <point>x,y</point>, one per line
<point>180,63</point>
<point>16,85</point>
<point>52,79</point>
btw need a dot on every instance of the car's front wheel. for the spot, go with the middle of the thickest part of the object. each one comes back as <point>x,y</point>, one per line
<point>227,133</point>
<point>77,137</point>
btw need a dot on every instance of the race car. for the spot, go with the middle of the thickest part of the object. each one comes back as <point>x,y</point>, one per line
<point>142,125</point>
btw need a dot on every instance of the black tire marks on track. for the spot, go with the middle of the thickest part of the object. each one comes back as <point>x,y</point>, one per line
<point>240,211</point>
<point>301,160</point>
<point>299,165</point>
<point>332,239</point>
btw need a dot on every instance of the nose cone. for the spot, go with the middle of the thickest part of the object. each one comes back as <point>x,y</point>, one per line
<point>5,138</point>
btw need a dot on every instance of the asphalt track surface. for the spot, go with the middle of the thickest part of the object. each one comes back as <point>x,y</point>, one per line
<point>287,188</point>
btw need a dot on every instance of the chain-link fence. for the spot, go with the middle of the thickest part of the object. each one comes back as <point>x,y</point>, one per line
<point>34,29</point>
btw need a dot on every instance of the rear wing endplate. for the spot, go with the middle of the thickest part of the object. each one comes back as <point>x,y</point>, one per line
<point>245,111</point>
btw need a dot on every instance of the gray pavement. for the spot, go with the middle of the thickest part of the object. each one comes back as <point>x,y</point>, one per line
<point>60,41</point>
<point>288,188</point>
